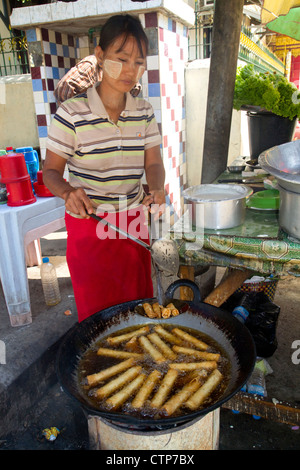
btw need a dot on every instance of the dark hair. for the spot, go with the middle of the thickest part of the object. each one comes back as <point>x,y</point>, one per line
<point>126,25</point>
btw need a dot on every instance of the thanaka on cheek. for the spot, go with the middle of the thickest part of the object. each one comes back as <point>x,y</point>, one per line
<point>140,72</point>
<point>112,68</point>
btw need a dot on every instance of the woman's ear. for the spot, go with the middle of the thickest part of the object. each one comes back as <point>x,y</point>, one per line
<point>99,54</point>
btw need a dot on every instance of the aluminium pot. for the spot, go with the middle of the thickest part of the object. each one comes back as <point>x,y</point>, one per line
<point>289,211</point>
<point>216,206</point>
<point>220,325</point>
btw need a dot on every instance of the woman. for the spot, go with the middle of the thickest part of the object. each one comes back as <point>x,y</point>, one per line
<point>108,139</point>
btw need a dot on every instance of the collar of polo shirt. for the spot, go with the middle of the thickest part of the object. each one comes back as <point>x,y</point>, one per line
<point>97,107</point>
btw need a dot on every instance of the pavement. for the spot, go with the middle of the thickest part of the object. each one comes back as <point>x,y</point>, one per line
<point>31,399</point>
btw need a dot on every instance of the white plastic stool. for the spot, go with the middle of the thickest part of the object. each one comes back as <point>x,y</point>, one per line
<point>19,226</point>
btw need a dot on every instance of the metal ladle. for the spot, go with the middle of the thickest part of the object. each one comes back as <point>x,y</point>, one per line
<point>164,252</point>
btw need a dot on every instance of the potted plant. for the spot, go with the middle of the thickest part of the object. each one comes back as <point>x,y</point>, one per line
<point>272,104</point>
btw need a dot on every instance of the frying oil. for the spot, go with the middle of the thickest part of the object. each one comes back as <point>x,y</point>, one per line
<point>92,363</point>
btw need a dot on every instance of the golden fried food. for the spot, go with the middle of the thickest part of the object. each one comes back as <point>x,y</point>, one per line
<point>157,369</point>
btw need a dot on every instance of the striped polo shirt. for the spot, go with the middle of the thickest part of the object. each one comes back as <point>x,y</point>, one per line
<point>104,158</point>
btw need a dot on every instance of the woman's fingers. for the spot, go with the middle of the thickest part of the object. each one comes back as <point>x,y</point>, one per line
<point>158,205</point>
<point>148,200</point>
<point>78,202</point>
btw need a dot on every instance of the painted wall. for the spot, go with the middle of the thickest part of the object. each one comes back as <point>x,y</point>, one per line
<point>4,32</point>
<point>18,125</point>
<point>197,78</point>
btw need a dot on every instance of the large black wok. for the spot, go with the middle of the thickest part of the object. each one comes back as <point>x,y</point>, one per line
<point>220,325</point>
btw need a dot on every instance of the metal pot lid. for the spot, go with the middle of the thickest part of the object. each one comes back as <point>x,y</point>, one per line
<point>216,192</point>
<point>283,162</point>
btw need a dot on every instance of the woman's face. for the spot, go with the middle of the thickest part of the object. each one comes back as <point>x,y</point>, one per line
<point>124,65</point>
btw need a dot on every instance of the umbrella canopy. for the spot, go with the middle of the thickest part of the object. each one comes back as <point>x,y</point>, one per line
<point>282,16</point>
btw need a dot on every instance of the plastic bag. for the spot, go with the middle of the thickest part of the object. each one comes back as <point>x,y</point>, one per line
<point>262,324</point>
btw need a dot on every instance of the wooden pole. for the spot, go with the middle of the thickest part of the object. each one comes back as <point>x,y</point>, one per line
<point>225,46</point>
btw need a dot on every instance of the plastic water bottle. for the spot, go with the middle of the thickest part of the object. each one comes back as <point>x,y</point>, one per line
<point>257,383</point>
<point>50,283</point>
<point>241,311</point>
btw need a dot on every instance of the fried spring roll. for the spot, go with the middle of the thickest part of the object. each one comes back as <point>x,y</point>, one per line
<point>171,306</point>
<point>181,396</point>
<point>127,336</point>
<point>157,309</point>
<point>202,374</point>
<point>94,379</point>
<point>163,347</point>
<point>149,310</point>
<point>207,388</point>
<point>167,335</point>
<point>182,366</point>
<point>132,345</point>
<point>146,389</point>
<point>150,349</point>
<point>197,354</point>
<point>174,310</point>
<point>118,354</point>
<point>117,383</point>
<point>166,312</point>
<point>164,389</point>
<point>115,401</point>
<point>190,339</point>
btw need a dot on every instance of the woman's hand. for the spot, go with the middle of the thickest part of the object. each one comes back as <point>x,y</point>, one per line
<point>77,202</point>
<point>155,202</point>
<point>155,176</point>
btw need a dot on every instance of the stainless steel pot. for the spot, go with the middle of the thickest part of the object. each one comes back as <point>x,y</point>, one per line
<point>220,325</point>
<point>216,206</point>
<point>289,211</point>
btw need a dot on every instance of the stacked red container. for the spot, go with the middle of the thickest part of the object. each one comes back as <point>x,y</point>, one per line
<point>14,174</point>
<point>40,189</point>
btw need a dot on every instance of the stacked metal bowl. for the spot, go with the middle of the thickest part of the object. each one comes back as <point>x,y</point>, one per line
<point>283,162</point>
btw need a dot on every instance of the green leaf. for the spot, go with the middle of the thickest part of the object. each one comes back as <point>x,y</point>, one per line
<point>269,91</point>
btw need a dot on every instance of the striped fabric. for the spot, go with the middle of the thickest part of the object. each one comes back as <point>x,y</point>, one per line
<point>106,159</point>
<point>78,79</point>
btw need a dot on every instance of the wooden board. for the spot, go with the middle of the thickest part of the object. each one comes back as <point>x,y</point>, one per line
<point>280,411</point>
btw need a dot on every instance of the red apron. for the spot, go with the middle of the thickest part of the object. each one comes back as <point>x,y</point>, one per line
<point>106,268</point>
